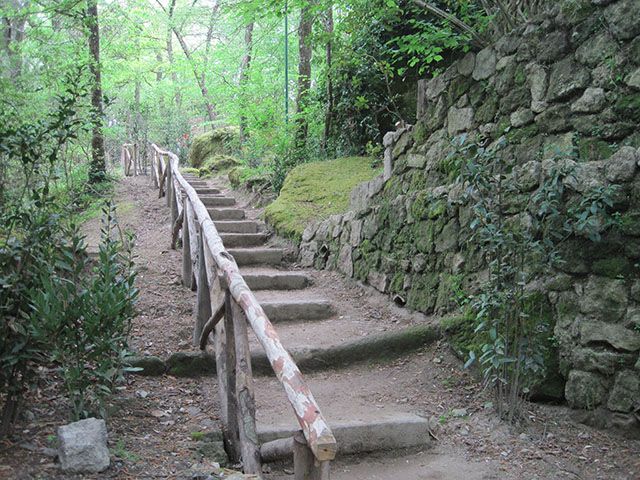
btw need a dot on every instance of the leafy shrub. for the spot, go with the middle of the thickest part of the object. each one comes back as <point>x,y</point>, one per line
<point>513,321</point>
<point>83,320</point>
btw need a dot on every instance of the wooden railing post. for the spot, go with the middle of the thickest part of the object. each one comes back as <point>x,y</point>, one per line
<point>203,298</point>
<point>135,160</point>
<point>249,445</point>
<point>169,181</point>
<point>305,465</point>
<point>187,266</point>
<point>231,432</point>
<point>194,249</point>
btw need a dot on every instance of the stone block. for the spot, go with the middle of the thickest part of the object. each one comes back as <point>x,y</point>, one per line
<point>625,395</point>
<point>633,79</point>
<point>378,280</point>
<point>617,336</point>
<point>150,365</point>
<point>552,46</point>
<point>467,64</point>
<point>521,117</point>
<point>622,17</point>
<point>585,389</point>
<point>416,160</point>
<point>83,446</point>
<point>605,362</point>
<point>592,100</point>
<point>485,64</point>
<point>621,166</point>
<point>596,49</point>
<point>566,77</point>
<point>345,262</point>
<point>459,120</point>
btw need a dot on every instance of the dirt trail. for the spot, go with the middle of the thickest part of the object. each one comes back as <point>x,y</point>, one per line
<point>154,419</point>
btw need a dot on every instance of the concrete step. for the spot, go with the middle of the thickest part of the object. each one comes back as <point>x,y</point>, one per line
<point>242,226</point>
<point>257,256</point>
<point>217,201</point>
<point>296,310</point>
<point>207,190</point>
<point>243,239</point>
<point>226,213</point>
<point>275,280</point>
<point>389,432</point>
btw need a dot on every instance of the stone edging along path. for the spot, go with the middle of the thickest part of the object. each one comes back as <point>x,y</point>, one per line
<point>372,347</point>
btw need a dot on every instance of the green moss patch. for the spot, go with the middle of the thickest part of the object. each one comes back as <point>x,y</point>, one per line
<point>314,191</point>
<point>220,142</point>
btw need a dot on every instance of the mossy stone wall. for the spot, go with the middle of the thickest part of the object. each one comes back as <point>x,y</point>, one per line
<point>578,94</point>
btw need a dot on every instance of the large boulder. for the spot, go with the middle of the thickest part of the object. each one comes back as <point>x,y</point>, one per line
<point>83,446</point>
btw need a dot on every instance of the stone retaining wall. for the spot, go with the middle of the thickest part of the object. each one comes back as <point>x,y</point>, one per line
<point>570,82</point>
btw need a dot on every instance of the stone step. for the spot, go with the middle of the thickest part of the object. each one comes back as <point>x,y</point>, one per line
<point>369,434</point>
<point>337,357</point>
<point>207,190</point>
<point>211,201</point>
<point>242,226</point>
<point>297,310</point>
<point>226,213</point>
<point>243,239</point>
<point>257,256</point>
<point>276,280</point>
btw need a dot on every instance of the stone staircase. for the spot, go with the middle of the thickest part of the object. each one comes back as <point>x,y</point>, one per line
<point>310,322</point>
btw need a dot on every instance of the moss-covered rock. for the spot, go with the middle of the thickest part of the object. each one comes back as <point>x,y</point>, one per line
<point>591,149</point>
<point>315,191</point>
<point>219,142</point>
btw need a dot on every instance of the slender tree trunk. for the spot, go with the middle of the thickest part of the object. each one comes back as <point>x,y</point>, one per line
<point>244,76</point>
<point>304,74</point>
<point>328,118</point>
<point>97,169</point>
<point>207,47</point>
<point>174,75</point>
<point>211,113</point>
<point>12,35</point>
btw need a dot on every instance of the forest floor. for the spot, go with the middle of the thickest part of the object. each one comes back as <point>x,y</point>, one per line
<point>155,421</point>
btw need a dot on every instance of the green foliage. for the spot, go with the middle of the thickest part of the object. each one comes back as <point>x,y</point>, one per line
<point>84,320</point>
<point>42,195</point>
<point>513,323</point>
<point>315,191</point>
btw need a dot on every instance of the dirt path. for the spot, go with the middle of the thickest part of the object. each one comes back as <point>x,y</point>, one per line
<point>155,419</point>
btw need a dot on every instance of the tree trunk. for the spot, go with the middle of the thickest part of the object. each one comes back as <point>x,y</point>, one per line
<point>211,113</point>
<point>207,48</point>
<point>304,74</point>
<point>174,75</point>
<point>328,118</point>
<point>97,169</point>
<point>13,34</point>
<point>244,76</point>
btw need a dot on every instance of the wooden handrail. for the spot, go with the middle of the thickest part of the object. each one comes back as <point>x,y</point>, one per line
<point>225,274</point>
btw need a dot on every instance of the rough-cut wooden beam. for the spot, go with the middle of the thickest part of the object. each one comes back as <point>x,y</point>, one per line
<point>193,240</point>
<point>187,267</point>
<point>246,404</point>
<point>316,430</point>
<point>232,434</point>
<point>203,300</point>
<point>177,225</point>
<point>276,449</point>
<point>305,467</point>
<point>210,325</point>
